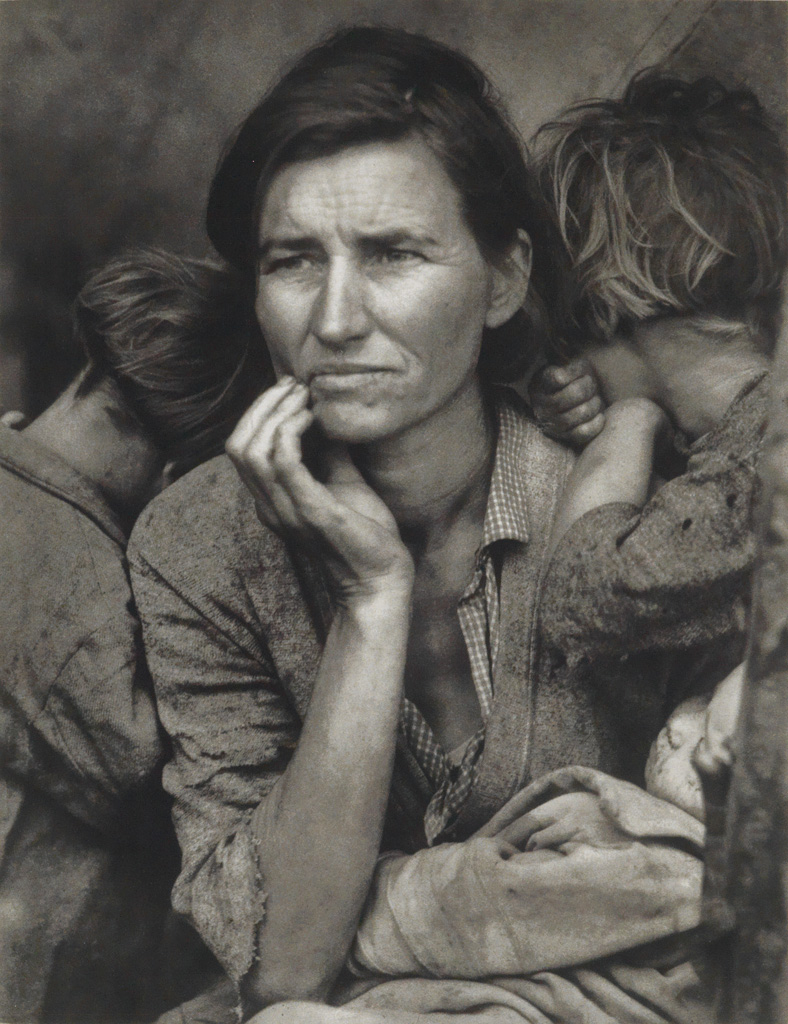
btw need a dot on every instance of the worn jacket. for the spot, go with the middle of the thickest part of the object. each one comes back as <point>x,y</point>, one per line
<point>87,854</point>
<point>234,623</point>
<point>673,576</point>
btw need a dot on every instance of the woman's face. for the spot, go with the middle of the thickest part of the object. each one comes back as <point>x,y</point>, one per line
<point>371,287</point>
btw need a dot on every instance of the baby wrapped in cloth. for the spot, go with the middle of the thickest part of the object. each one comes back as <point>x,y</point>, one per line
<point>578,903</point>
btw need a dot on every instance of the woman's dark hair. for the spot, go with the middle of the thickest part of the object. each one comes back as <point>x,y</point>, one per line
<point>671,200</point>
<point>179,343</point>
<point>381,84</point>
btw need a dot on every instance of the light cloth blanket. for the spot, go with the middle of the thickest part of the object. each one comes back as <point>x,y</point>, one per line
<point>483,933</point>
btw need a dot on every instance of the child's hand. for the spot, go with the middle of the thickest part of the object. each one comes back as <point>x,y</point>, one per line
<point>570,818</point>
<point>567,402</point>
<point>715,752</point>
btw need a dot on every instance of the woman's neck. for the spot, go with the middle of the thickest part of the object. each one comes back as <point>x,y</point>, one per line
<point>437,472</point>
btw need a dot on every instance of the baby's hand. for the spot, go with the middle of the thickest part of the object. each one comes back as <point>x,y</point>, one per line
<point>570,818</point>
<point>714,754</point>
<point>567,402</point>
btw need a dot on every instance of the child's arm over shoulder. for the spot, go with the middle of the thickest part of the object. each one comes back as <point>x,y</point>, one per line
<point>615,467</point>
<point>660,573</point>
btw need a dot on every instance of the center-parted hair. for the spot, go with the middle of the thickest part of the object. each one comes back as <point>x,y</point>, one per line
<point>369,84</point>
<point>671,200</point>
<point>177,339</point>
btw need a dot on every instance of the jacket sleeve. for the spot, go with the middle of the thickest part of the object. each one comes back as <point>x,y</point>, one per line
<point>674,574</point>
<point>78,724</point>
<point>231,727</point>
<point>484,907</point>
<point>667,577</point>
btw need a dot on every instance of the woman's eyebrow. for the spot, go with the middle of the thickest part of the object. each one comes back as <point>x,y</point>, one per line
<point>370,239</point>
<point>398,236</point>
<point>298,243</point>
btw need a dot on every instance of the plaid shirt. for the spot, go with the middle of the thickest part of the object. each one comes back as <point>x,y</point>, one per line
<point>478,612</point>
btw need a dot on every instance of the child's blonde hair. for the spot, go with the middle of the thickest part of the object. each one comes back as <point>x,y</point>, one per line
<point>671,200</point>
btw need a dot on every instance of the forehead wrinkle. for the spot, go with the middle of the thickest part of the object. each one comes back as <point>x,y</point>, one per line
<point>379,198</point>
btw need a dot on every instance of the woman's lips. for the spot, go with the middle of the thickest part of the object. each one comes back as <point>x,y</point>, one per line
<point>344,377</point>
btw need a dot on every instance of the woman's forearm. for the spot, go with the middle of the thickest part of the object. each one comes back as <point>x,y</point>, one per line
<point>319,829</point>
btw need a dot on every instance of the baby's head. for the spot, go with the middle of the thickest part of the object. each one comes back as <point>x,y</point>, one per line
<point>670,202</point>
<point>670,772</point>
<point>699,734</point>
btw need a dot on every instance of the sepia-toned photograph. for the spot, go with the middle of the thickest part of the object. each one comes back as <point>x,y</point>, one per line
<point>393,512</point>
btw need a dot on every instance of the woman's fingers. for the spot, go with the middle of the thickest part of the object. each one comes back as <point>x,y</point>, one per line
<point>551,837</point>
<point>342,520</point>
<point>256,449</point>
<point>255,445</point>
<point>288,494</point>
<point>264,406</point>
<point>519,832</point>
<point>312,501</point>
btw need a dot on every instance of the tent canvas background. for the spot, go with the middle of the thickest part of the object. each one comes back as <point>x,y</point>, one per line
<point>114,112</point>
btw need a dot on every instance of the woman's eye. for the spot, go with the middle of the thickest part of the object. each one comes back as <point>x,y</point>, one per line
<point>399,256</point>
<point>285,264</point>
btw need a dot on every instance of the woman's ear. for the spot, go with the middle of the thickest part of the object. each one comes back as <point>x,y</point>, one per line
<point>510,278</point>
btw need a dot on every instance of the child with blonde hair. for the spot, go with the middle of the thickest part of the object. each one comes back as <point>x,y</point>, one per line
<point>671,204</point>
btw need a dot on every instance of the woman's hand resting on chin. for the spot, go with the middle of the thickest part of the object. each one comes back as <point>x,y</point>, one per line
<point>340,520</point>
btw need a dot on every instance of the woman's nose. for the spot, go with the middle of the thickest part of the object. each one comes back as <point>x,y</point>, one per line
<point>339,315</point>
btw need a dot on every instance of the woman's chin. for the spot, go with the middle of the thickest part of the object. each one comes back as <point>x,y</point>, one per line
<point>350,423</point>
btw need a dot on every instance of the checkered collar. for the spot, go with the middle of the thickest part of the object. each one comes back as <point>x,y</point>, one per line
<point>506,517</point>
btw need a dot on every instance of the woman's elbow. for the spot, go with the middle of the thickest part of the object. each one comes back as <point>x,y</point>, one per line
<point>266,984</point>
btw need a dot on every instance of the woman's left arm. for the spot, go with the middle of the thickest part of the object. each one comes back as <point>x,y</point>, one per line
<point>610,873</point>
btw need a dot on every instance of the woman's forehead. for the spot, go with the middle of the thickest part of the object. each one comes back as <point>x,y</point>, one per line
<point>378,188</point>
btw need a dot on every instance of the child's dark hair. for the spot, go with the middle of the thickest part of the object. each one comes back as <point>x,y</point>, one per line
<point>376,84</point>
<point>671,200</point>
<point>176,337</point>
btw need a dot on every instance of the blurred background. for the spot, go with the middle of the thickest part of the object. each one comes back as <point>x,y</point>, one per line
<point>113,114</point>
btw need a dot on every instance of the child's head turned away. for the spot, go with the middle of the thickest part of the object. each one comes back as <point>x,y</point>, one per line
<point>671,202</point>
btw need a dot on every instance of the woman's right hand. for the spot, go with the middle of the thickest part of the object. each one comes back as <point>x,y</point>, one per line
<point>342,520</point>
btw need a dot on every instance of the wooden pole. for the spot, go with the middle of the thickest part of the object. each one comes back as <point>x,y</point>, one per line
<point>754,981</point>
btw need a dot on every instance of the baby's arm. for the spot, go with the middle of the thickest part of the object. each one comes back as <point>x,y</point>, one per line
<point>616,466</point>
